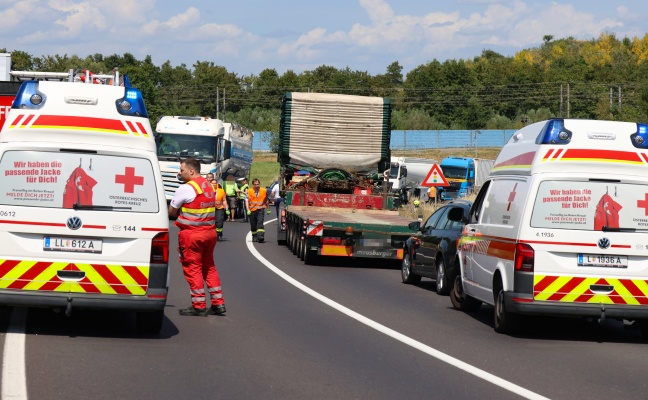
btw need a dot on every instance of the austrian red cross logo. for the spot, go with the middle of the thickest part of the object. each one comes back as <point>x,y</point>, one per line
<point>129,180</point>
<point>643,204</point>
<point>511,197</point>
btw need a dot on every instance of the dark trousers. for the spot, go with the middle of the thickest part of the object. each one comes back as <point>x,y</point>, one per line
<point>277,204</point>
<point>256,224</point>
<point>220,220</point>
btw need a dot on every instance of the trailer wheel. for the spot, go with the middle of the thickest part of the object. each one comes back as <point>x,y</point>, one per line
<point>295,239</point>
<point>288,234</point>
<point>302,247</point>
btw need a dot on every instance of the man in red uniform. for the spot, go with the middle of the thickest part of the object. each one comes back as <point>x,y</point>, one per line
<point>193,206</point>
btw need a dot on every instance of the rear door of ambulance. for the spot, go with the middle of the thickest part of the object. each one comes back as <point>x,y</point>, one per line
<point>81,221</point>
<point>589,239</point>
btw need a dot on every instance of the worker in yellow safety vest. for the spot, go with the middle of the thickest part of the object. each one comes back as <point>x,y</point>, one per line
<point>257,203</point>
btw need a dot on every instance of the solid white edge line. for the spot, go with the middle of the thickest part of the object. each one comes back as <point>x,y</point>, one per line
<point>14,383</point>
<point>392,333</point>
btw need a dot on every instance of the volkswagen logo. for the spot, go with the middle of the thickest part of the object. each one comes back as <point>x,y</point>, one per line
<point>75,223</point>
<point>604,243</point>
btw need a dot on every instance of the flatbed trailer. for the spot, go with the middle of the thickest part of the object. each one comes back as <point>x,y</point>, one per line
<point>312,232</point>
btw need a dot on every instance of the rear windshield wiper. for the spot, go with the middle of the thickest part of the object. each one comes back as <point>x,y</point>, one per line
<point>78,206</point>
<point>611,229</point>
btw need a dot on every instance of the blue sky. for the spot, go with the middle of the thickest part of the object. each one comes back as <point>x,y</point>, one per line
<point>247,36</point>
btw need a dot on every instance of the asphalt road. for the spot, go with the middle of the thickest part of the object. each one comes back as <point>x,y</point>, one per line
<point>364,335</point>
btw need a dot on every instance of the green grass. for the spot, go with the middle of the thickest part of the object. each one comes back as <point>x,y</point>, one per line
<point>266,171</point>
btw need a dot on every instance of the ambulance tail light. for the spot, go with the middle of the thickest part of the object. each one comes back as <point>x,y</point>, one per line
<point>29,97</point>
<point>524,258</point>
<point>640,138</point>
<point>554,132</point>
<point>160,248</point>
<point>132,104</point>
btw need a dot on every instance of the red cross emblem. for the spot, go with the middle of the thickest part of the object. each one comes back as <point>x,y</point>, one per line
<point>129,180</point>
<point>643,204</point>
<point>511,197</point>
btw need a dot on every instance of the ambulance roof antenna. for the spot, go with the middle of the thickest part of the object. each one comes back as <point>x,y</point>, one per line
<point>90,167</point>
<point>80,162</point>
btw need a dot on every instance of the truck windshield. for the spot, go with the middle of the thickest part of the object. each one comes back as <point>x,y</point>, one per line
<point>393,171</point>
<point>454,172</point>
<point>175,145</point>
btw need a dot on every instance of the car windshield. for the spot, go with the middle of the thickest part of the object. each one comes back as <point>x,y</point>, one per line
<point>170,144</point>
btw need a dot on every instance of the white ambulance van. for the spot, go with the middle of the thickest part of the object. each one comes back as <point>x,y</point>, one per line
<point>561,226</point>
<point>83,218</point>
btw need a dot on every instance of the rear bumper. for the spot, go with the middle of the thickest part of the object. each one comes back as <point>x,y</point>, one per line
<point>155,300</point>
<point>523,303</point>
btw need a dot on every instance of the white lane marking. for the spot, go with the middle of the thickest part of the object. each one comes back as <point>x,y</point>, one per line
<point>14,382</point>
<point>495,380</point>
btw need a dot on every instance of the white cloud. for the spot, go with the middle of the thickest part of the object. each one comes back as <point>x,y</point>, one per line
<point>187,19</point>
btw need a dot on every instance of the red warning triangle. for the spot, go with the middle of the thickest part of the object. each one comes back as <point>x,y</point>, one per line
<point>435,177</point>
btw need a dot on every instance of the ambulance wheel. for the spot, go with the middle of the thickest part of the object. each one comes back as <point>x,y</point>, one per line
<point>406,270</point>
<point>460,300</point>
<point>442,285</point>
<point>505,322</point>
<point>149,322</point>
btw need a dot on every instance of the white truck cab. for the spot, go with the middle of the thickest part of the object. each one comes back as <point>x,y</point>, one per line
<point>559,228</point>
<point>83,218</point>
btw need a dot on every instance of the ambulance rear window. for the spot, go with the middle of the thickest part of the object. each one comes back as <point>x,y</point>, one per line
<point>92,181</point>
<point>590,205</point>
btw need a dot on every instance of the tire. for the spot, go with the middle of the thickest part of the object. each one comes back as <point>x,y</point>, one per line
<point>504,321</point>
<point>302,248</point>
<point>442,285</point>
<point>295,239</point>
<point>149,322</point>
<point>460,300</point>
<point>406,271</point>
<point>289,235</point>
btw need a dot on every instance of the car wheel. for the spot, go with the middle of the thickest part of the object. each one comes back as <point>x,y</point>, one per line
<point>505,322</point>
<point>460,300</point>
<point>442,286</point>
<point>149,322</point>
<point>406,270</point>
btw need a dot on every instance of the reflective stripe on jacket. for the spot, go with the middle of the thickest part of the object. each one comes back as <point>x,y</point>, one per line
<point>201,212</point>
<point>257,201</point>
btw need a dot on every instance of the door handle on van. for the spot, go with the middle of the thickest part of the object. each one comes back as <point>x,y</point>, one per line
<point>76,275</point>
<point>602,288</point>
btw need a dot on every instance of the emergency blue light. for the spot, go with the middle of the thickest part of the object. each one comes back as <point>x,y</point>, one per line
<point>639,139</point>
<point>554,132</point>
<point>132,104</point>
<point>29,97</point>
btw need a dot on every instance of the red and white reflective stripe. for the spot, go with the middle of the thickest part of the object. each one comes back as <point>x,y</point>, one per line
<point>135,128</point>
<point>315,228</point>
